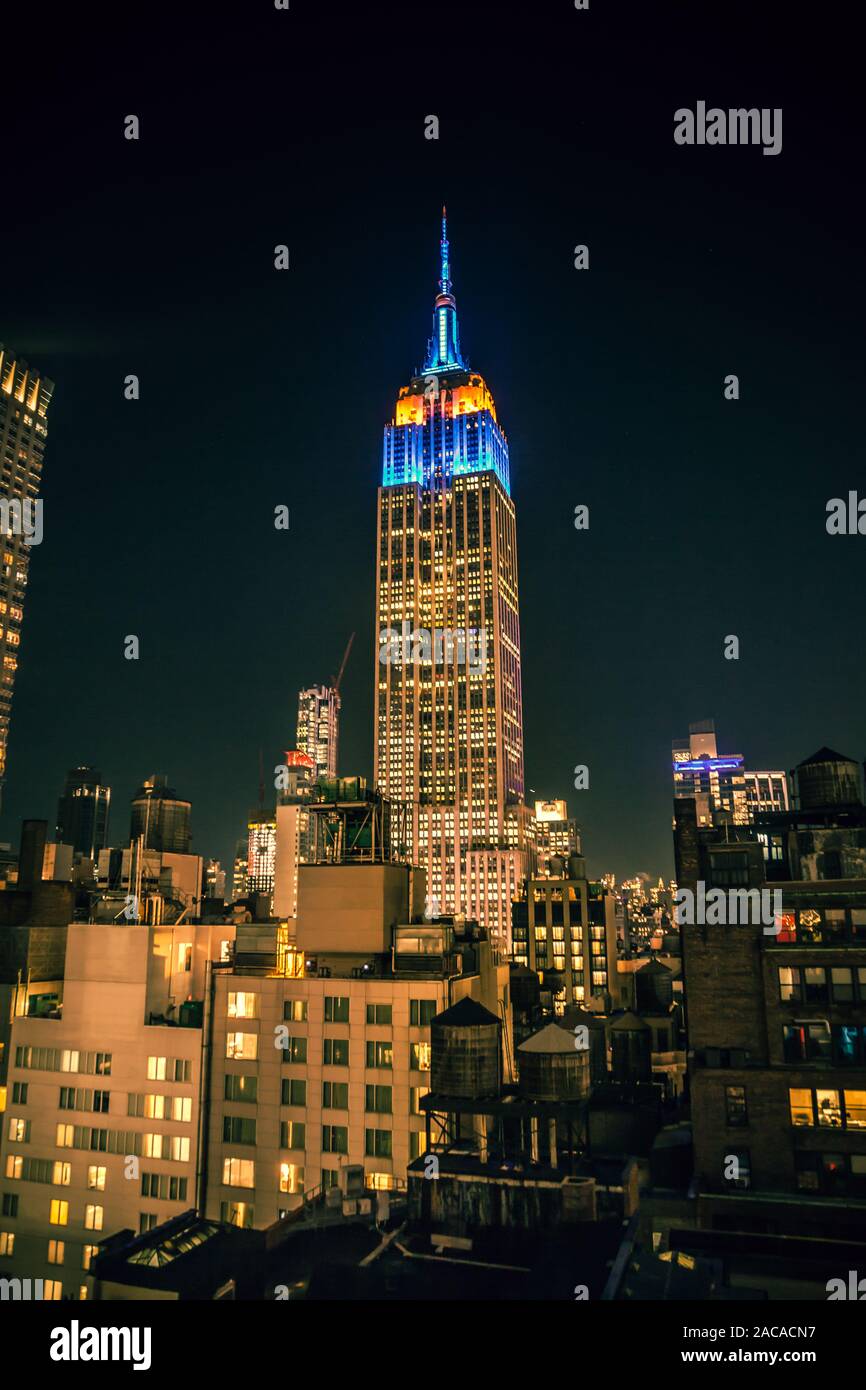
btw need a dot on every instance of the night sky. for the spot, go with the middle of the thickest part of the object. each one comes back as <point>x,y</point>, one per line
<point>707,517</point>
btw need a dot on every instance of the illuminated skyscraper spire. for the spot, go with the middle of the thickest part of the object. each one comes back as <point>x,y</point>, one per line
<point>443,349</point>
<point>445,280</point>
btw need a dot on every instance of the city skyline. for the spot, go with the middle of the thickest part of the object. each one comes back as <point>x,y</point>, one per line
<point>693,507</point>
<point>433,802</point>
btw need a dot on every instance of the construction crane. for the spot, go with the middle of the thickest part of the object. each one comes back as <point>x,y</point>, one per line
<point>335,683</point>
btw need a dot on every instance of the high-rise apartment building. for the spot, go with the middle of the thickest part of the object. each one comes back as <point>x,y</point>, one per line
<point>448,715</point>
<point>82,812</point>
<point>319,727</point>
<point>24,400</point>
<point>717,783</point>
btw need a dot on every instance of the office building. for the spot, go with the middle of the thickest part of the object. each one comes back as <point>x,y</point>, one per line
<point>448,726</point>
<point>716,783</point>
<point>24,400</point>
<point>82,812</point>
<point>261,852</point>
<point>564,928</point>
<point>318,727</point>
<point>554,835</point>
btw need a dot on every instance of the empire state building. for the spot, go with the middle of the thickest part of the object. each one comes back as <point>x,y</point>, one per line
<point>448,714</point>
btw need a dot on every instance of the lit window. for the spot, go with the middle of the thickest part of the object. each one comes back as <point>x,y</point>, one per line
<point>56,1252</point>
<point>239,1172</point>
<point>242,1046</point>
<point>93,1216</point>
<point>243,1005</point>
<point>421,1053</point>
<point>58,1214</point>
<point>291,1177</point>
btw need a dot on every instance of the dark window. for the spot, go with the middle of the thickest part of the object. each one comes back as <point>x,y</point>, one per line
<point>378,1100</point>
<point>423,1011</point>
<point>377,1143</point>
<point>295,1050</point>
<point>335,1139</point>
<point>335,1052</point>
<point>294,1092</point>
<point>379,1054</point>
<point>238,1130</point>
<point>815,985</point>
<point>842,981</point>
<point>243,1088</point>
<point>336,1008</point>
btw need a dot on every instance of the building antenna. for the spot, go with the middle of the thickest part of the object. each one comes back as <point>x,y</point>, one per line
<point>261,782</point>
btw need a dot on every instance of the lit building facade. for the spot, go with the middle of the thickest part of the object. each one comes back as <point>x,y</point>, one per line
<point>766,791</point>
<point>567,927</point>
<point>718,784</point>
<point>448,716</point>
<point>261,852</point>
<point>319,727</point>
<point>554,835</point>
<point>24,400</point>
<point>103,1123</point>
<point>777,1012</point>
<point>321,1046</point>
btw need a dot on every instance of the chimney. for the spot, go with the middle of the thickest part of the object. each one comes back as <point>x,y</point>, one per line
<point>32,855</point>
